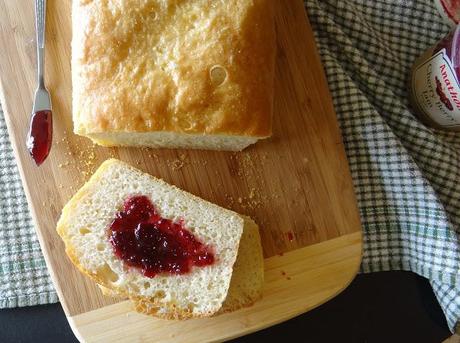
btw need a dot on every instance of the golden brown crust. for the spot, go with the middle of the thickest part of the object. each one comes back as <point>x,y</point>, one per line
<point>143,66</point>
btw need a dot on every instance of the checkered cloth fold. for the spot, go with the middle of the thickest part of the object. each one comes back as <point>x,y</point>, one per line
<point>24,279</point>
<point>406,176</point>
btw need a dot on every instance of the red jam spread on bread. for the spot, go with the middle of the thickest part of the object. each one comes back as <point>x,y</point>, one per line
<point>145,240</point>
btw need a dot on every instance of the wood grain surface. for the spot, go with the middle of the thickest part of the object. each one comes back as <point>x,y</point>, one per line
<point>295,282</point>
<point>296,185</point>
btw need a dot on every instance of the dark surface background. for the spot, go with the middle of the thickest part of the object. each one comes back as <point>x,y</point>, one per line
<point>380,307</point>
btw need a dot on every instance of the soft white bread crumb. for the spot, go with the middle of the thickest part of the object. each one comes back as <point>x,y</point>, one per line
<point>173,140</point>
<point>85,220</point>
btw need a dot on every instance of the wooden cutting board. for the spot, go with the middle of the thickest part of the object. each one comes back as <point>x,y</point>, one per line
<point>296,185</point>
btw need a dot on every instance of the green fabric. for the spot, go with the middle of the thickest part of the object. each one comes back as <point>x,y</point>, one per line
<point>24,279</point>
<point>406,176</point>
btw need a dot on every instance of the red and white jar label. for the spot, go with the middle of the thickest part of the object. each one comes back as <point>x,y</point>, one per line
<point>436,90</point>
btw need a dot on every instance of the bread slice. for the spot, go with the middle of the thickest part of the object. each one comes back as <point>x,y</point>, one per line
<point>85,220</point>
<point>178,73</point>
<point>247,278</point>
<point>248,271</point>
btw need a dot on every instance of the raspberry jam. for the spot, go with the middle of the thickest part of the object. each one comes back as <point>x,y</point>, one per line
<point>143,239</point>
<point>40,135</point>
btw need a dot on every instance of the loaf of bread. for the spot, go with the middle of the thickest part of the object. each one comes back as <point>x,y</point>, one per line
<point>173,73</point>
<point>84,227</point>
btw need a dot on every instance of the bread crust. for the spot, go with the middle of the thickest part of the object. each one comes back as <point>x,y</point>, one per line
<point>185,66</point>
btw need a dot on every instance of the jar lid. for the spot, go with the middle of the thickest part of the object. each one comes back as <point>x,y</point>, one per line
<point>455,48</point>
<point>449,10</point>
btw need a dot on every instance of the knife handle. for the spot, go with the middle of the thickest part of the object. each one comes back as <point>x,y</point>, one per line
<point>40,19</point>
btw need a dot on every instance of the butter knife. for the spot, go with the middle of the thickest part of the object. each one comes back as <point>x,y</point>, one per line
<point>40,133</point>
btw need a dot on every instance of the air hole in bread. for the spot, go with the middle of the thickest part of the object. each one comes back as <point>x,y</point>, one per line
<point>84,231</point>
<point>146,285</point>
<point>160,294</point>
<point>185,124</point>
<point>218,75</point>
<point>106,274</point>
<point>100,247</point>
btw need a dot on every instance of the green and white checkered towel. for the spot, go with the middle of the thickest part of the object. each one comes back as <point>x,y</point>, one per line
<point>24,279</point>
<point>406,176</point>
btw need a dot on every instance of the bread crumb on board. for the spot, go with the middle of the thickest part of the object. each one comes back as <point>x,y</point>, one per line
<point>248,198</point>
<point>81,158</point>
<point>176,164</point>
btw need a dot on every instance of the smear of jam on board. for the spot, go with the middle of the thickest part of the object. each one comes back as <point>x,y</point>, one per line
<point>143,239</point>
<point>40,136</point>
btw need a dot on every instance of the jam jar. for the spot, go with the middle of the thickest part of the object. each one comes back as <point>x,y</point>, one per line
<point>434,84</point>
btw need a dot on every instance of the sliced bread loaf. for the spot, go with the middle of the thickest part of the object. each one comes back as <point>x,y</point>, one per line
<point>86,219</point>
